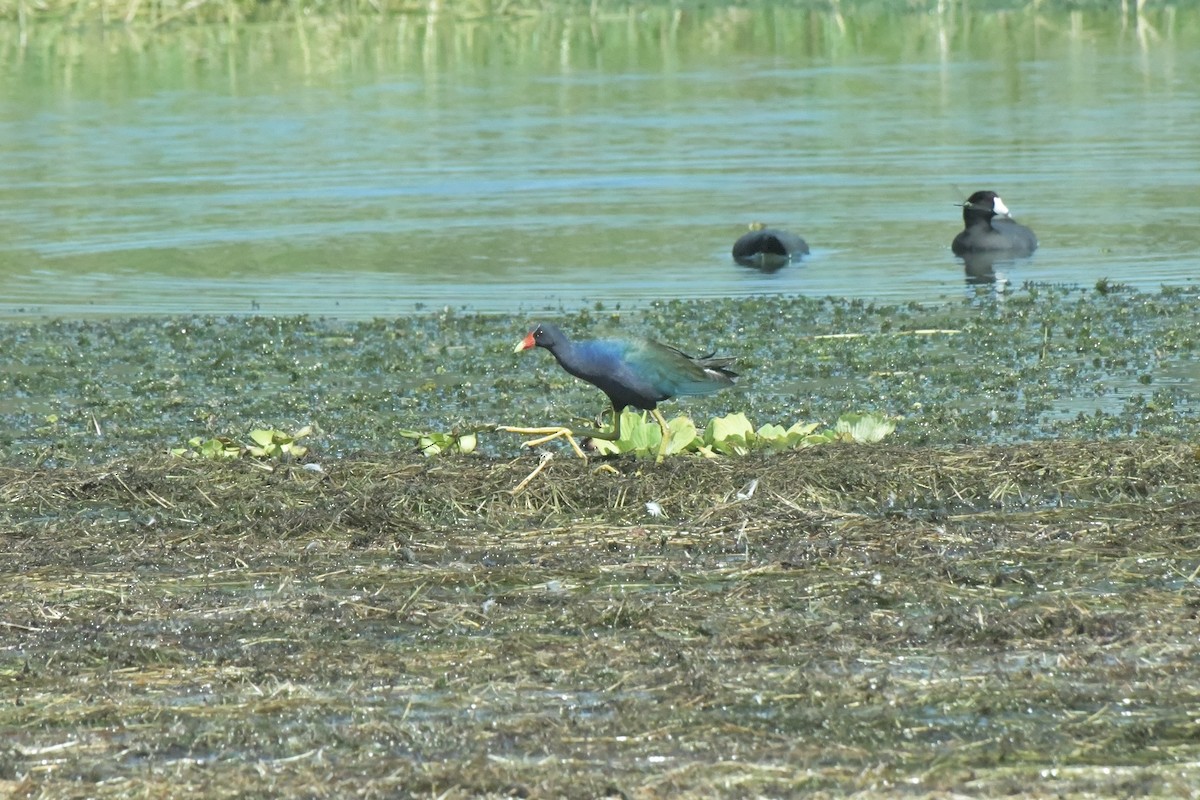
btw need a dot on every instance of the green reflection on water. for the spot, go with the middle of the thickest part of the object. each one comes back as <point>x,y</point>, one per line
<point>606,156</point>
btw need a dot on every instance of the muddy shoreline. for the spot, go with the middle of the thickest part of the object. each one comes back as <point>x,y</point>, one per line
<point>1012,619</point>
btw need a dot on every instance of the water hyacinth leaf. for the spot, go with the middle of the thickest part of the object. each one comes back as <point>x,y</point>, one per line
<point>603,447</point>
<point>682,435</point>
<point>821,437</point>
<point>805,435</point>
<point>772,435</point>
<point>771,431</point>
<point>433,443</point>
<point>732,445</point>
<point>802,429</point>
<point>630,421</point>
<point>261,437</point>
<point>208,448</point>
<point>265,443</point>
<point>865,428</point>
<point>720,428</point>
<point>643,436</point>
<point>215,448</point>
<point>731,434</point>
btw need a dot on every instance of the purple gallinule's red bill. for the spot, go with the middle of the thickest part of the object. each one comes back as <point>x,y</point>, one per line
<point>636,372</point>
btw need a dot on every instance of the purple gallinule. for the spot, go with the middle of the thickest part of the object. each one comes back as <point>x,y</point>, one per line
<point>637,372</point>
<point>988,227</point>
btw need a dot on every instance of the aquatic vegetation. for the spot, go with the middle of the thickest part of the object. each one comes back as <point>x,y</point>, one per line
<point>1047,363</point>
<point>731,435</point>
<point>432,443</point>
<point>735,435</point>
<point>265,444</point>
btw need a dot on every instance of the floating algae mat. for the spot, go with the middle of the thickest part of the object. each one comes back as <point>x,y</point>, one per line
<point>1046,362</point>
<point>999,598</point>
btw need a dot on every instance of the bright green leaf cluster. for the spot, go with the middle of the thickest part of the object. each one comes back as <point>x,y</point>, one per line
<point>864,428</point>
<point>432,444</point>
<point>264,444</point>
<point>735,435</point>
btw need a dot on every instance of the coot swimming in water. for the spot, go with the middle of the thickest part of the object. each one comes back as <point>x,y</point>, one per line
<point>767,248</point>
<point>988,227</point>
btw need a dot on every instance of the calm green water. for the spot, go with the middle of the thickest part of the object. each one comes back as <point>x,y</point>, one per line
<point>364,167</point>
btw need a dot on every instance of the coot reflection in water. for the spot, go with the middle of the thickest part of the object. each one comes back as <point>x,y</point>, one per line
<point>990,268</point>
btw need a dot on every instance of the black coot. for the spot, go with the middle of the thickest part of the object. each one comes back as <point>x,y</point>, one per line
<point>767,248</point>
<point>988,227</point>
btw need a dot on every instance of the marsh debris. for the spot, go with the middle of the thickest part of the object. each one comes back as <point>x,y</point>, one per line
<point>868,620</point>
